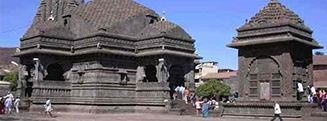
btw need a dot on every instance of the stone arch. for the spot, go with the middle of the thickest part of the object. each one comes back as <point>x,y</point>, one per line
<point>176,75</point>
<point>262,57</point>
<point>150,74</point>
<point>176,78</point>
<point>264,77</point>
<point>55,72</point>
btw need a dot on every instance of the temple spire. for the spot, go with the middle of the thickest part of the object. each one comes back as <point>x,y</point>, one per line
<point>273,1</point>
<point>163,17</point>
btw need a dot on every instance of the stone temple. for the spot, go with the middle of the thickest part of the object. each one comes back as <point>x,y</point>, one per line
<point>103,56</point>
<point>274,52</point>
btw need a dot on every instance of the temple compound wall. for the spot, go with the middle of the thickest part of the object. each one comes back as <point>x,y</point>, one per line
<point>103,56</point>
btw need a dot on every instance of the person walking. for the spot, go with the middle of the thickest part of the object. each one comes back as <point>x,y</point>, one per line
<point>17,104</point>
<point>205,108</point>
<point>2,106</point>
<point>323,100</point>
<point>313,93</point>
<point>186,94</point>
<point>198,106</point>
<point>277,112</point>
<point>299,91</point>
<point>8,102</point>
<point>48,107</point>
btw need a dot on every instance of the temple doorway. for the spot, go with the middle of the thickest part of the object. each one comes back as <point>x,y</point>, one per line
<point>176,78</point>
<point>150,74</point>
<point>55,73</point>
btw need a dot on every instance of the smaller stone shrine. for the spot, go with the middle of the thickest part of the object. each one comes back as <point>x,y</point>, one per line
<point>274,51</point>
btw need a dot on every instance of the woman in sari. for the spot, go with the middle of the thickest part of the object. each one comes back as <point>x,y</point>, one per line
<point>205,108</point>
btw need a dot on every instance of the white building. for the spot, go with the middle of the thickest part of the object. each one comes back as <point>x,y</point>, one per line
<point>203,69</point>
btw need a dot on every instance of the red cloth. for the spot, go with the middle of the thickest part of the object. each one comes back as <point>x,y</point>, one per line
<point>2,108</point>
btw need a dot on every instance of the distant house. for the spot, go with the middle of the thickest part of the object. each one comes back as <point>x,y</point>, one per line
<point>204,68</point>
<point>320,71</point>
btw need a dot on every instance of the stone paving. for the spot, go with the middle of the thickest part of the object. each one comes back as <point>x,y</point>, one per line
<point>121,117</point>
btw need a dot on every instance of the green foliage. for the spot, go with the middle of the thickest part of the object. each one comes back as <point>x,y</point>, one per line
<point>11,77</point>
<point>318,53</point>
<point>213,88</point>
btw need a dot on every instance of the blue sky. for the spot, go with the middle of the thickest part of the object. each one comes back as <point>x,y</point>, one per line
<point>211,23</point>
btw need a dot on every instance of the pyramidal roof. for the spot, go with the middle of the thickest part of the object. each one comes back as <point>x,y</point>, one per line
<point>275,14</point>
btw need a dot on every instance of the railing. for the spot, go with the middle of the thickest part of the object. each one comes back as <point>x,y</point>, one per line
<point>57,91</point>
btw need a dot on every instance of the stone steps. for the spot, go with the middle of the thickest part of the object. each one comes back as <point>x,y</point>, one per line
<point>180,108</point>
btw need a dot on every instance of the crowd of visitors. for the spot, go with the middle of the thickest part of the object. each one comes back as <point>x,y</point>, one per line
<point>8,103</point>
<point>317,96</point>
<point>202,104</point>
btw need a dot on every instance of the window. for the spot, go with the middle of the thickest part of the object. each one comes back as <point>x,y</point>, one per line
<point>276,87</point>
<point>253,76</point>
<point>253,85</point>
<point>253,91</point>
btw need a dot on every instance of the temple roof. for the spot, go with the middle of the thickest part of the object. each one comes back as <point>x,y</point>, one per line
<point>163,28</point>
<point>275,23</point>
<point>123,17</point>
<point>105,13</point>
<point>275,13</point>
<point>72,27</point>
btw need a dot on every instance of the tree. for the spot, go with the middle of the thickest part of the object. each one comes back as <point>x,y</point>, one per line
<point>213,88</point>
<point>11,77</point>
<point>318,53</point>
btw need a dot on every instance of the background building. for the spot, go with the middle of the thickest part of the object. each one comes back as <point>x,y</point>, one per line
<point>320,71</point>
<point>227,76</point>
<point>203,69</point>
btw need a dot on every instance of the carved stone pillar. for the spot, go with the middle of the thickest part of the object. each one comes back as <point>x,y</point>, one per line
<point>140,74</point>
<point>162,71</point>
<point>38,75</point>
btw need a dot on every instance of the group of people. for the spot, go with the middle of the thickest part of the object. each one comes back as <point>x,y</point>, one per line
<point>317,96</point>
<point>205,105</point>
<point>314,95</point>
<point>182,93</point>
<point>8,103</point>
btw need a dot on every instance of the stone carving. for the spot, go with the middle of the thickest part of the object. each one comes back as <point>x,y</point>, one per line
<point>140,74</point>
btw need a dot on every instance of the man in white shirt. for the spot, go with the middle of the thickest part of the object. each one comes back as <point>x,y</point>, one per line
<point>48,107</point>
<point>16,104</point>
<point>299,91</point>
<point>277,112</point>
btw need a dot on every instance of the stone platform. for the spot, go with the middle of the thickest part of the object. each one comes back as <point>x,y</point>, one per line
<point>290,109</point>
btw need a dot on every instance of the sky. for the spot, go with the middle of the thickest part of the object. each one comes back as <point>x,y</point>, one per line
<point>212,23</point>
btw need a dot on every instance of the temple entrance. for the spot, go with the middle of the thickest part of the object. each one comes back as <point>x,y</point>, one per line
<point>55,73</point>
<point>150,74</point>
<point>176,78</point>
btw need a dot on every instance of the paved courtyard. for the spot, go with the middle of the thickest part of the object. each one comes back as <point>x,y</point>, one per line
<point>120,117</point>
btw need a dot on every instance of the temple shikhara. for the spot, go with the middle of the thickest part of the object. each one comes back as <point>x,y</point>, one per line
<point>274,53</point>
<point>103,56</point>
